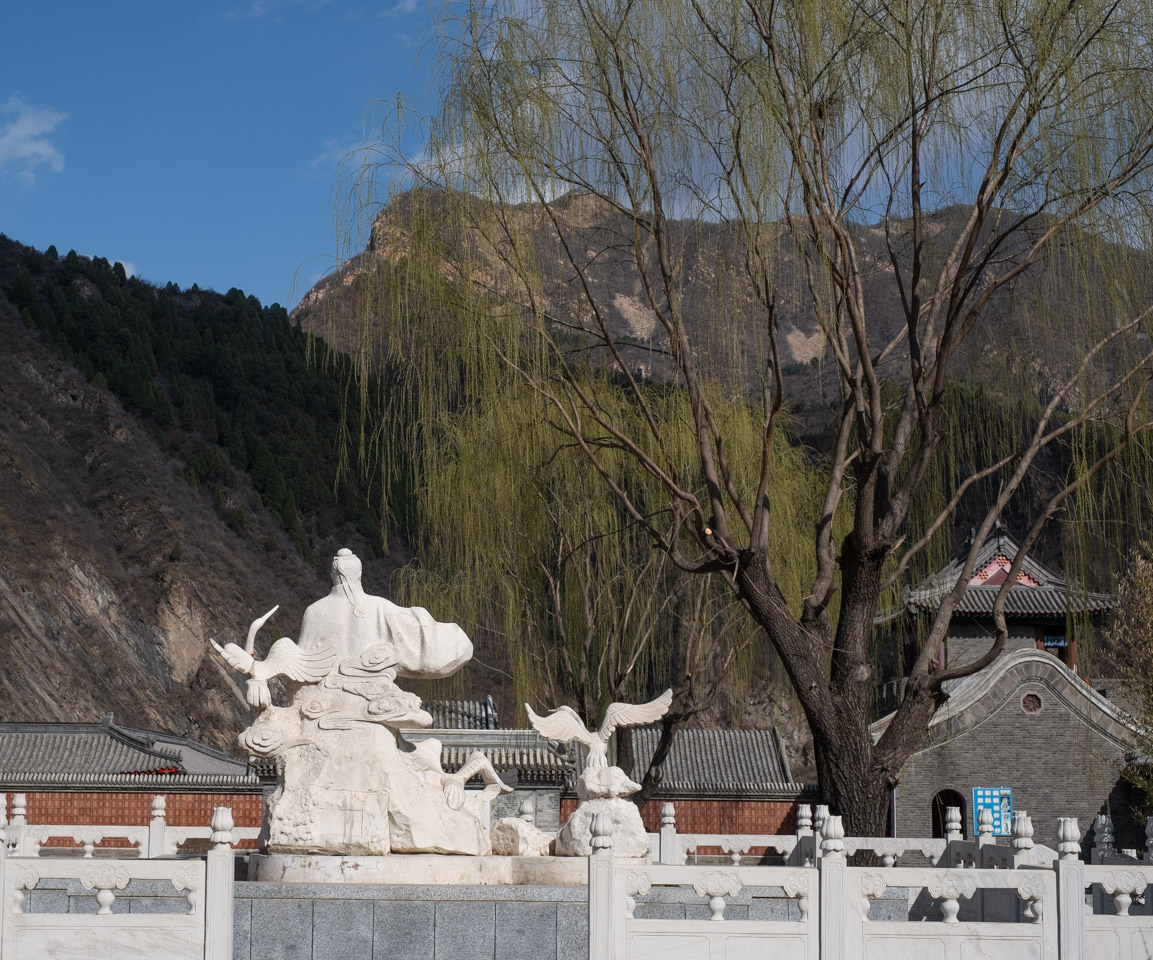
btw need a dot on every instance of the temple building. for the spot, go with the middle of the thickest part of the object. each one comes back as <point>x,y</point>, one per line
<point>1027,733</point>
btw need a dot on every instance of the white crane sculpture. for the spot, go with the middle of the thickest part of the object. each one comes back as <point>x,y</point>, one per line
<point>565,725</point>
<point>285,659</point>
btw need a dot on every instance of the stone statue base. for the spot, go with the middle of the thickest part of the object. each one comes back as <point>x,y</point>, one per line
<point>360,792</point>
<point>630,839</point>
<point>427,869</point>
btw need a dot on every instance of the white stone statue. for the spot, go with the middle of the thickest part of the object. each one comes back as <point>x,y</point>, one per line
<point>601,788</point>
<point>350,783</point>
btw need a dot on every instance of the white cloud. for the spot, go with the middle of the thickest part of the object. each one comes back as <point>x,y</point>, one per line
<point>402,8</point>
<point>337,153</point>
<point>256,9</point>
<point>24,143</point>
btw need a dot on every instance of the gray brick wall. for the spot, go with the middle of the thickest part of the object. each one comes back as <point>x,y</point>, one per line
<point>966,642</point>
<point>1058,763</point>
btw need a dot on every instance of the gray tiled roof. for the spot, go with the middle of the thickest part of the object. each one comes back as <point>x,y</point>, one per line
<point>1051,597</point>
<point>48,751</point>
<point>1051,601</point>
<point>740,763</point>
<point>463,714</point>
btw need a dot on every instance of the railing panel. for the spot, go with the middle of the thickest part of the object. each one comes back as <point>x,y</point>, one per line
<point>1118,938</point>
<point>702,940</point>
<point>1027,930</point>
<point>106,934</point>
<point>708,890</point>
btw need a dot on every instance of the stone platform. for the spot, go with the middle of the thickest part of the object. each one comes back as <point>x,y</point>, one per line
<point>420,869</point>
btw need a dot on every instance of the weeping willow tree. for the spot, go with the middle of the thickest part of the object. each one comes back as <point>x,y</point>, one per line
<point>512,531</point>
<point>647,215</point>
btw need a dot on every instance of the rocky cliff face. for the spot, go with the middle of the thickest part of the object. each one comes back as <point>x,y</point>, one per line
<point>113,570</point>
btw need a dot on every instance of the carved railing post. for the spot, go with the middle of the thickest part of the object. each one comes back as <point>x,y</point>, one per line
<point>670,845</point>
<point>873,885</point>
<point>220,872</point>
<point>1022,833</point>
<point>953,830</point>
<point>637,884</point>
<point>17,826</point>
<point>88,840</point>
<point>985,825</point>
<point>1070,890</point>
<point>1068,838</point>
<point>832,901</point>
<point>1123,886</point>
<point>803,854</point>
<point>156,827</point>
<point>796,887</point>
<point>527,809</point>
<point>104,878</point>
<point>820,815</point>
<point>954,834</point>
<point>602,907</point>
<point>735,847</point>
<point>949,888</point>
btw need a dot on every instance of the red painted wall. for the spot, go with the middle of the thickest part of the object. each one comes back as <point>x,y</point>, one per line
<point>716,816</point>
<point>135,809</point>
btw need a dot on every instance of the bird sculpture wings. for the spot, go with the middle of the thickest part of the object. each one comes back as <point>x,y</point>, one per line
<point>285,659</point>
<point>562,725</point>
<point>634,714</point>
<point>565,725</point>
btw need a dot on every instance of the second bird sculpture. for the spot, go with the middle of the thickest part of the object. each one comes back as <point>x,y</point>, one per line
<point>565,725</point>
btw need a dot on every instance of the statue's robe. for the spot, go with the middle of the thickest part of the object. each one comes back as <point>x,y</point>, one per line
<point>425,649</point>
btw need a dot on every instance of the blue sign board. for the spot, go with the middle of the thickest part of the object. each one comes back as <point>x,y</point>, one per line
<point>999,801</point>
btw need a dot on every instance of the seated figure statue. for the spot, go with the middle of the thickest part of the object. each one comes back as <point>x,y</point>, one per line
<point>349,782</point>
<point>353,621</point>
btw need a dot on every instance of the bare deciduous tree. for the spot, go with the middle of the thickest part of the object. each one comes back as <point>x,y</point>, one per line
<point>877,183</point>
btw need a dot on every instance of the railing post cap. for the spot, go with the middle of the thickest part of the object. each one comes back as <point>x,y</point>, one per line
<point>833,836</point>
<point>602,833</point>
<point>222,825</point>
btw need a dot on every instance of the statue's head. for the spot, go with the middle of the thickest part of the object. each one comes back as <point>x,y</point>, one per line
<point>345,567</point>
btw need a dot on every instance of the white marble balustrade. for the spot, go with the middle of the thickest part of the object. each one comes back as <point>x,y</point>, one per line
<point>202,932</point>
<point>978,899</point>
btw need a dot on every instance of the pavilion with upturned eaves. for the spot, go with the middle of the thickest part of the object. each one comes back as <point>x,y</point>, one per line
<point>1043,611</point>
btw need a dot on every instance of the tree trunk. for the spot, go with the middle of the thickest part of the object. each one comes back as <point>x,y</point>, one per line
<point>852,783</point>
<point>836,691</point>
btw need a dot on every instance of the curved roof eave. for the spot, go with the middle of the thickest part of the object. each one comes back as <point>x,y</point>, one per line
<point>969,702</point>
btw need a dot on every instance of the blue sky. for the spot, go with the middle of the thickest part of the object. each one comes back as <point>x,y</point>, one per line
<point>195,142</point>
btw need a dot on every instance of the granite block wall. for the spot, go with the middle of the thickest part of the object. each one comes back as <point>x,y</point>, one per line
<point>274,921</point>
<point>282,921</point>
